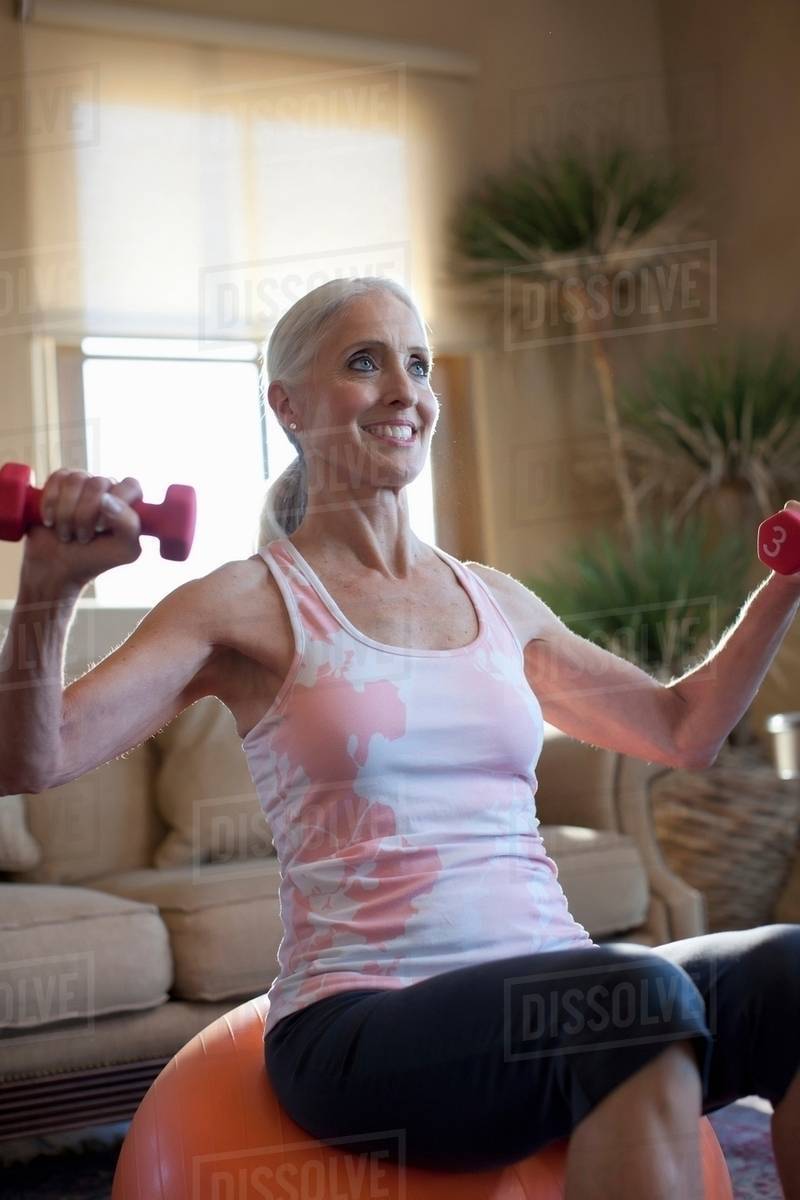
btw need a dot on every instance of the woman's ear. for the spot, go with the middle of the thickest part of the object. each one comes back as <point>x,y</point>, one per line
<point>278,400</point>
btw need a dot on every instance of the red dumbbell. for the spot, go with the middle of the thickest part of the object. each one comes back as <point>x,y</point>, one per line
<point>172,521</point>
<point>779,541</point>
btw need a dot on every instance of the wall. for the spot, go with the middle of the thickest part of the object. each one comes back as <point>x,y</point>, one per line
<point>747,167</point>
<point>16,421</point>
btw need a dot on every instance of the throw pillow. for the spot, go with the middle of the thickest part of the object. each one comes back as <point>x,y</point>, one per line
<point>19,850</point>
<point>204,791</point>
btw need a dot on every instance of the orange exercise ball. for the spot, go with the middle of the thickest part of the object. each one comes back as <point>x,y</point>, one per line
<point>210,1128</point>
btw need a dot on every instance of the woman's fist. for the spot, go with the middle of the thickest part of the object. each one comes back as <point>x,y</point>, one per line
<point>83,533</point>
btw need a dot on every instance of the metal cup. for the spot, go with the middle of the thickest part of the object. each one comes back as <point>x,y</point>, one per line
<point>785,730</point>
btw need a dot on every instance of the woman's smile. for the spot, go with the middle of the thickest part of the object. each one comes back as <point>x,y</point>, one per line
<point>382,433</point>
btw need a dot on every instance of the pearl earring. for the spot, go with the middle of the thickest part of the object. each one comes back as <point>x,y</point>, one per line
<point>293,426</point>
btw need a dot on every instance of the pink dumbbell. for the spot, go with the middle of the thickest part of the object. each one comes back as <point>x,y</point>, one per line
<point>779,541</point>
<point>172,521</point>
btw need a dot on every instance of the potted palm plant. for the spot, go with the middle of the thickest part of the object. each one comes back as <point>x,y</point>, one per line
<point>581,220</point>
<point>722,427</point>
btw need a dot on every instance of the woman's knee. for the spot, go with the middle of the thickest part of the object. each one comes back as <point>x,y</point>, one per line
<point>629,1002</point>
<point>652,991</point>
<point>769,976</point>
<point>776,950</point>
<point>754,1004</point>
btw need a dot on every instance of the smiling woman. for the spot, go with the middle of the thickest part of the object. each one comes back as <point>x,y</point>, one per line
<point>294,366</point>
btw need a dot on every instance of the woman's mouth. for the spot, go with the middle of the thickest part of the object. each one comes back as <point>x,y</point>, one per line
<point>383,434</point>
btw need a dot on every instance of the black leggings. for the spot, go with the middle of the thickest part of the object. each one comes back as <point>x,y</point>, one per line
<point>481,1066</point>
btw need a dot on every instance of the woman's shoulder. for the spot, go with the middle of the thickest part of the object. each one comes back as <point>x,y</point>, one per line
<point>496,580</point>
<point>237,591</point>
<point>527,613</point>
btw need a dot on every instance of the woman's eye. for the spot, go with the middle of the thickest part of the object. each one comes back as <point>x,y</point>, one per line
<point>418,362</point>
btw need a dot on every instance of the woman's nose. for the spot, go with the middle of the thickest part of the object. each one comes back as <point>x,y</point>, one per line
<point>398,384</point>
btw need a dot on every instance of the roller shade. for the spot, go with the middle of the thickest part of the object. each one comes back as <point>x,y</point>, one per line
<point>196,190</point>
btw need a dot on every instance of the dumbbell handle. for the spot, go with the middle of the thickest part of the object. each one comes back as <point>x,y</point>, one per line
<point>172,521</point>
<point>779,541</point>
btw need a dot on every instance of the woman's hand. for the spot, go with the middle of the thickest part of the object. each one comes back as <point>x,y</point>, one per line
<point>82,535</point>
<point>794,578</point>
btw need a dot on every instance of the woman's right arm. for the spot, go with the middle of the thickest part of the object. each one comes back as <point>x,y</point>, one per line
<point>52,734</point>
<point>49,734</point>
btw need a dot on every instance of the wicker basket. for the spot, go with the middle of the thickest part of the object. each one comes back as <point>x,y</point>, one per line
<point>731,831</point>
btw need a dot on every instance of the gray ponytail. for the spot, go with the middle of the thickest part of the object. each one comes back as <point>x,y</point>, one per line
<point>290,352</point>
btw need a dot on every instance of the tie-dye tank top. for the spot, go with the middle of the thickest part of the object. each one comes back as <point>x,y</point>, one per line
<point>399,788</point>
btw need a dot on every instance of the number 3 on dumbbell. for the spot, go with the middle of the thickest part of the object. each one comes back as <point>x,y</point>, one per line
<point>172,521</point>
<point>779,541</point>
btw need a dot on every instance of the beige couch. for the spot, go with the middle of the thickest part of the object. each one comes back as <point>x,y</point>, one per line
<point>140,902</point>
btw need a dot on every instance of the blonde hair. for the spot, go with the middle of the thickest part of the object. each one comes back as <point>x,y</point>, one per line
<point>291,349</point>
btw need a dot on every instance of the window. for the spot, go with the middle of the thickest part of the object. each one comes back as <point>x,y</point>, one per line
<point>168,410</point>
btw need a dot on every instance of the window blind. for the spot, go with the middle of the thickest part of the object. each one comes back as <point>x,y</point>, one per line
<point>194,190</point>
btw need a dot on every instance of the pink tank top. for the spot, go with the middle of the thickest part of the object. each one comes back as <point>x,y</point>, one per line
<point>399,789</point>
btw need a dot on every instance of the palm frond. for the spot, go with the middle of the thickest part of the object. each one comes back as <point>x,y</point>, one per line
<point>728,418</point>
<point>574,203</point>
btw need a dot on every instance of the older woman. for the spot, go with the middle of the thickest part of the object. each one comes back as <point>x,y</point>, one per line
<point>435,995</point>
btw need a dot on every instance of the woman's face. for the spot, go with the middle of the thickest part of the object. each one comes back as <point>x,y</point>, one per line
<point>372,366</point>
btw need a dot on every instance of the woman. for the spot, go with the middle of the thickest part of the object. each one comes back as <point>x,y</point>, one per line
<point>436,999</point>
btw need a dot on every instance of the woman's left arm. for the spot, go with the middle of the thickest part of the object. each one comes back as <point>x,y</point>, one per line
<point>605,700</point>
<point>717,693</point>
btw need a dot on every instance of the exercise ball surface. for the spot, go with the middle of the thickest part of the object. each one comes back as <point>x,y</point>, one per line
<point>210,1127</point>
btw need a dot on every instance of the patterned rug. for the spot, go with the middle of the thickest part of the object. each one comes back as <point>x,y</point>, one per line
<point>81,1166</point>
<point>743,1132</point>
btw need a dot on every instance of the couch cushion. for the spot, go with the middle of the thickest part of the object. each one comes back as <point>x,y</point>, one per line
<point>116,1040</point>
<point>19,850</point>
<point>101,822</point>
<point>204,791</point>
<point>575,782</point>
<point>70,953</point>
<point>602,874</point>
<point>223,919</point>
